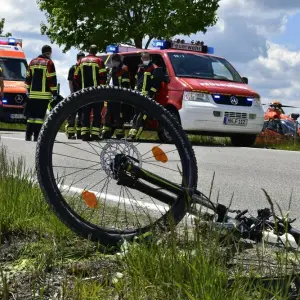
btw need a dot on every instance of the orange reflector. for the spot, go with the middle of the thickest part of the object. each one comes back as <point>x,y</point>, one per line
<point>90,199</point>
<point>159,154</point>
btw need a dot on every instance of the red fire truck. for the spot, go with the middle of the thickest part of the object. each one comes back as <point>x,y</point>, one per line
<point>203,91</point>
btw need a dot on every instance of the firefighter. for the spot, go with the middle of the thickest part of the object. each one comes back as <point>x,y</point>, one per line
<point>148,84</point>
<point>1,84</point>
<point>118,75</point>
<point>70,127</point>
<point>89,72</point>
<point>41,84</point>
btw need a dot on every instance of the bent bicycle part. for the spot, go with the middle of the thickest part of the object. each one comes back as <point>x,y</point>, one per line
<point>126,173</point>
<point>126,169</point>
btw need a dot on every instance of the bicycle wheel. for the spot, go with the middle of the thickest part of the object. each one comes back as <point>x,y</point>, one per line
<point>92,214</point>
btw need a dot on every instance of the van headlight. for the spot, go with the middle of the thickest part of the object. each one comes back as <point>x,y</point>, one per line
<point>195,96</point>
<point>256,101</point>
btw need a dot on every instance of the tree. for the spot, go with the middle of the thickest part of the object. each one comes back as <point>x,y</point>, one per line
<point>2,21</point>
<point>80,23</point>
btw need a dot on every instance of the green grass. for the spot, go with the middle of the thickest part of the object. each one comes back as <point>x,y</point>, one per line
<point>209,140</point>
<point>195,139</point>
<point>40,256</point>
<point>12,126</point>
<point>18,126</point>
<point>291,145</point>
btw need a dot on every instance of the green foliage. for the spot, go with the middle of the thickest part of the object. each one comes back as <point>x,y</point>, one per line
<point>2,21</point>
<point>80,23</point>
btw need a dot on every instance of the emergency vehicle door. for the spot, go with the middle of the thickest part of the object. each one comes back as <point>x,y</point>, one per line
<point>162,93</point>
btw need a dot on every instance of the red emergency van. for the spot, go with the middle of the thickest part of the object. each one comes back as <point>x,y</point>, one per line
<point>14,65</point>
<point>203,91</point>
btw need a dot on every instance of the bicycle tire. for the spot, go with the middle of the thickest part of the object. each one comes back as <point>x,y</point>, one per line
<point>46,177</point>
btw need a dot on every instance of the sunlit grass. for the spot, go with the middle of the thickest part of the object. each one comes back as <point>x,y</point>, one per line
<point>39,256</point>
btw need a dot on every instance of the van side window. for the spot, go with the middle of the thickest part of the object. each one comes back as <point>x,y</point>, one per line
<point>132,61</point>
<point>159,61</point>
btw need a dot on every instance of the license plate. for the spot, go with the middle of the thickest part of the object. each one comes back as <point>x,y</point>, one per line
<point>17,116</point>
<point>235,121</point>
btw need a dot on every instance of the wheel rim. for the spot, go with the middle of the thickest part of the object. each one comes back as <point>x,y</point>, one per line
<point>45,142</point>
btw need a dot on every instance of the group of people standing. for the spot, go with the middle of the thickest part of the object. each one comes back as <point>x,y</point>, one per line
<point>89,70</point>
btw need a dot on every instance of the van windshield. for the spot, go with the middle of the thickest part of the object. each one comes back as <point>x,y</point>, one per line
<point>14,69</point>
<point>203,66</point>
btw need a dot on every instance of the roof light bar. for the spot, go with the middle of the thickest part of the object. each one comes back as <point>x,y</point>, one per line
<point>181,45</point>
<point>112,49</point>
<point>165,44</point>
<point>10,41</point>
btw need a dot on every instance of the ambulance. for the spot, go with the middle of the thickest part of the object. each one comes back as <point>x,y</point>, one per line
<point>204,92</point>
<point>14,65</point>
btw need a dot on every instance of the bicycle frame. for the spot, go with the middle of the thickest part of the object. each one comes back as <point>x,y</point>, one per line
<point>128,174</point>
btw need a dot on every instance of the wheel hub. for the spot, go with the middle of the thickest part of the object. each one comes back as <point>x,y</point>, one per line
<point>113,148</point>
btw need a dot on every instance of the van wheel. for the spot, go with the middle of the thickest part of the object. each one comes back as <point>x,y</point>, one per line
<point>243,140</point>
<point>163,134</point>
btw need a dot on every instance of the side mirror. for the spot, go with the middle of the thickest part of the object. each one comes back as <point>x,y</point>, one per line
<point>245,79</point>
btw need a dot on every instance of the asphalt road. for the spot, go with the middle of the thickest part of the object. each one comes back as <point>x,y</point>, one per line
<point>239,172</point>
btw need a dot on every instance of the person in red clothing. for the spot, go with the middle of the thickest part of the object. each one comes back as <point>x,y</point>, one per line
<point>118,75</point>
<point>41,84</point>
<point>148,83</point>
<point>90,71</point>
<point>70,128</point>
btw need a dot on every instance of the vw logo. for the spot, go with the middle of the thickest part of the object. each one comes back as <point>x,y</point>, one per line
<point>18,98</point>
<point>234,100</point>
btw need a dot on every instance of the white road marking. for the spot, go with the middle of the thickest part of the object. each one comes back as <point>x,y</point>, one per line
<point>114,198</point>
<point>117,199</point>
<point>11,138</point>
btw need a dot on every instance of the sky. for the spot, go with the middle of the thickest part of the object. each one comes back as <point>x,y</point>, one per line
<point>260,38</point>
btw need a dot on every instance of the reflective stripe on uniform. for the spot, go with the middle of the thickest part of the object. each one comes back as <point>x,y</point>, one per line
<point>106,129</point>
<point>119,131</point>
<point>84,130</point>
<point>50,74</point>
<point>145,81</point>
<point>93,65</point>
<point>35,121</point>
<point>139,132</point>
<point>95,130</point>
<point>40,95</point>
<point>132,131</point>
<point>107,59</point>
<point>70,129</point>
